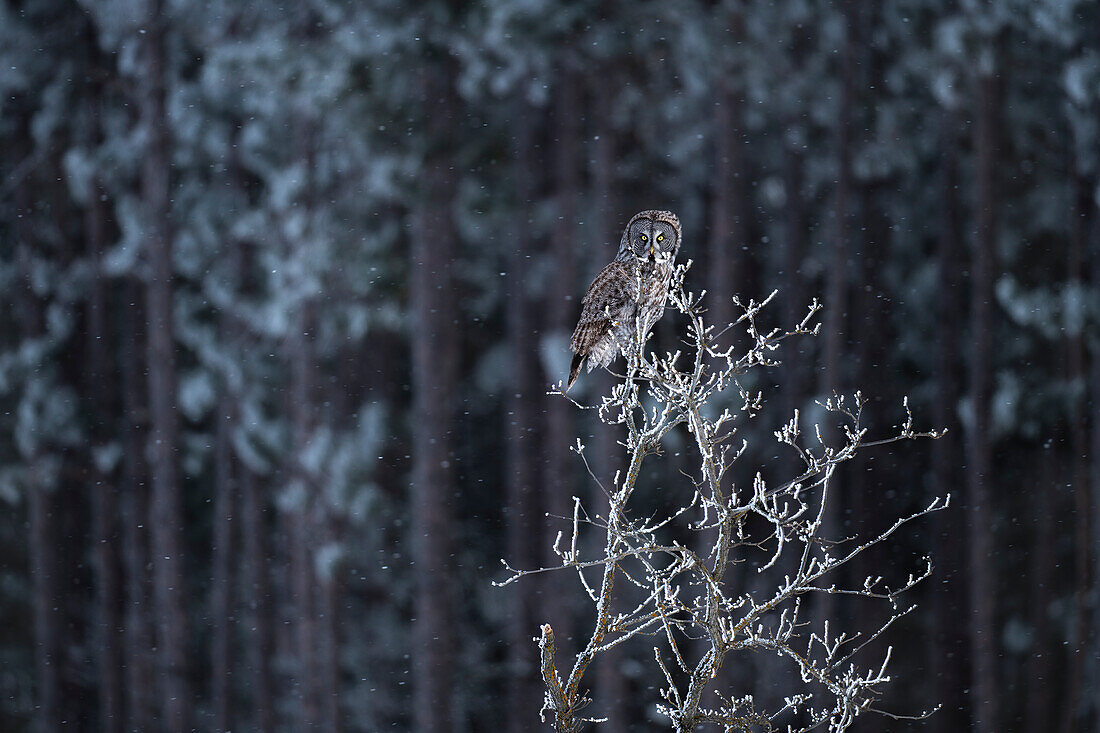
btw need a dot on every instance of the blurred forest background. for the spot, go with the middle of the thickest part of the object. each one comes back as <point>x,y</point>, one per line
<point>282,287</point>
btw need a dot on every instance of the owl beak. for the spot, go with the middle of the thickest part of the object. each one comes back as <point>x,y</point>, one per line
<point>652,251</point>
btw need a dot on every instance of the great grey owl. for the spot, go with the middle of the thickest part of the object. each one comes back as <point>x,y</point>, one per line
<point>632,286</point>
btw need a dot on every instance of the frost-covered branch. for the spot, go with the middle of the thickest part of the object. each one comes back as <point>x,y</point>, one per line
<point>681,593</point>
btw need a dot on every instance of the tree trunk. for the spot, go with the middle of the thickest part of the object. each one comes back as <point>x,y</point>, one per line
<point>558,485</point>
<point>982,583</point>
<point>833,377</point>
<point>138,616</point>
<point>99,383</point>
<point>871,325</point>
<point>320,655</point>
<point>221,585</point>
<point>522,513</point>
<point>798,354</point>
<point>1093,252</point>
<point>796,232</point>
<point>794,353</point>
<point>104,500</point>
<point>228,477</point>
<point>729,208</point>
<point>1081,213</point>
<point>259,636</point>
<point>166,510</point>
<point>43,561</point>
<point>255,627</point>
<point>950,652</point>
<point>328,626</point>
<point>302,530</point>
<point>605,458</point>
<point>434,366</point>
<point>1040,704</point>
<point>836,284</point>
<point>42,551</point>
<point>871,331</point>
<point>308,506</point>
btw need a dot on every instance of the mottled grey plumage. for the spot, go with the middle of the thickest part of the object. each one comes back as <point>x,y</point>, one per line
<point>632,287</point>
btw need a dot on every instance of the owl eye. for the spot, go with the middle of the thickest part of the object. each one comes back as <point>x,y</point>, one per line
<point>645,238</point>
<point>660,237</point>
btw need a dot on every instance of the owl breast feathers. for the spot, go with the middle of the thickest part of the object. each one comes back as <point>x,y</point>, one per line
<point>627,297</point>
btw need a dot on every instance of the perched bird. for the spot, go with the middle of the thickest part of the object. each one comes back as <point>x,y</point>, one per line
<point>631,288</point>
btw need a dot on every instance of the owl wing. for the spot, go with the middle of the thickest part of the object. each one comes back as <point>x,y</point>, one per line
<point>607,294</point>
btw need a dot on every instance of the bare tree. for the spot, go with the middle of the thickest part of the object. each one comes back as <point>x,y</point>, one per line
<point>684,593</point>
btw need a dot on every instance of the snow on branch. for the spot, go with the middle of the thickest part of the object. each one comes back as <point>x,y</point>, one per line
<point>684,593</point>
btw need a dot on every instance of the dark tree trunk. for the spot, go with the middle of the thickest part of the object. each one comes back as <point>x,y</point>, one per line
<point>259,634</point>
<point>166,509</point>
<point>100,381</point>
<point>221,585</point>
<point>798,371</point>
<point>321,662</point>
<point>104,498</point>
<point>563,310</point>
<point>523,518</point>
<point>726,274</point>
<point>434,365</point>
<point>328,625</point>
<point>228,473</point>
<point>871,324</point>
<point>43,562</point>
<point>605,458</point>
<point>950,651</point>
<point>302,528</point>
<point>871,330</point>
<point>138,642</point>
<point>985,696</point>
<point>1039,706</point>
<point>303,520</point>
<point>793,287</point>
<point>836,282</point>
<point>730,205</point>
<point>796,232</point>
<point>833,375</point>
<point>1093,256</point>
<point>1081,214</point>
<point>42,553</point>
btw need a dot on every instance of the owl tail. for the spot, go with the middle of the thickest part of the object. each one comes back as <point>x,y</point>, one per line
<point>574,369</point>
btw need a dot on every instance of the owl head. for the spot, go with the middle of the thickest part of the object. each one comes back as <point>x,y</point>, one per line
<point>650,235</point>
